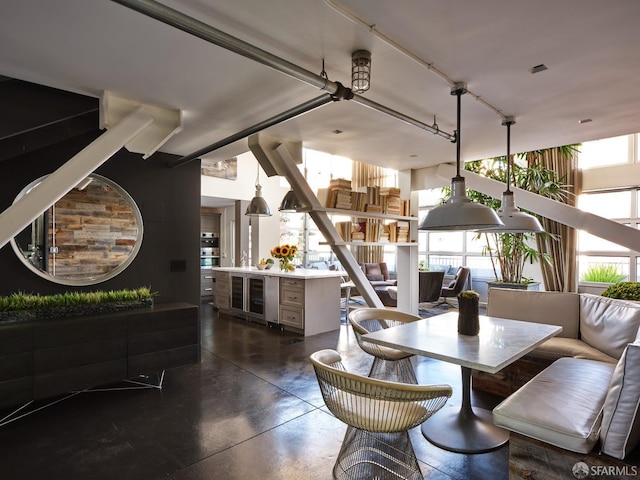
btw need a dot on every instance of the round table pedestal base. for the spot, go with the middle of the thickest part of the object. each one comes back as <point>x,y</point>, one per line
<point>464,432</point>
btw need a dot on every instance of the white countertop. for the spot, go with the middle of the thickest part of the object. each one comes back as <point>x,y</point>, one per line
<point>275,272</point>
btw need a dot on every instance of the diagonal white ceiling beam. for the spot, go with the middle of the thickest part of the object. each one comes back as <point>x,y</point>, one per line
<point>166,122</point>
<point>574,217</point>
<point>57,184</point>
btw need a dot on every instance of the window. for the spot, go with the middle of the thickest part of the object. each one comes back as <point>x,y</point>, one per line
<point>608,205</point>
<point>603,269</point>
<point>609,151</point>
<point>600,260</point>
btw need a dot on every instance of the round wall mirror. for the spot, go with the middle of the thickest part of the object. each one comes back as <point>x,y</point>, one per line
<point>90,235</point>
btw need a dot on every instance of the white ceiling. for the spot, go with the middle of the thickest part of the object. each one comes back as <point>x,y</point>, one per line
<point>589,46</point>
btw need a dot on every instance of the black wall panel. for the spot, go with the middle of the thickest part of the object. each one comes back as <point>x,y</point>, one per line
<point>169,200</point>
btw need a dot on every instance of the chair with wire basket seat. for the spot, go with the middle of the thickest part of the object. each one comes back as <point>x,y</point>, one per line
<point>378,415</point>
<point>388,363</point>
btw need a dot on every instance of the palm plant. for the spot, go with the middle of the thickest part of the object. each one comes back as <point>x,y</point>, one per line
<point>509,252</point>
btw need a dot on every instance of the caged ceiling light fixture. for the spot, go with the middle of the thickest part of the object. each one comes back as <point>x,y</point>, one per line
<point>258,206</point>
<point>459,212</point>
<point>515,221</point>
<point>360,71</point>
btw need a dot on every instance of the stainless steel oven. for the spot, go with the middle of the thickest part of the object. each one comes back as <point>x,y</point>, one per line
<point>209,249</point>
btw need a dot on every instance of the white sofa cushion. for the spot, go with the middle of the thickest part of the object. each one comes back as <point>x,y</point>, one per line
<point>558,347</point>
<point>562,405</point>
<point>552,308</point>
<point>620,419</point>
<point>608,324</point>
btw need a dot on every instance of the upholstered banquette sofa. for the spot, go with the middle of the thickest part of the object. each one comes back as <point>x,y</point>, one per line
<point>583,400</point>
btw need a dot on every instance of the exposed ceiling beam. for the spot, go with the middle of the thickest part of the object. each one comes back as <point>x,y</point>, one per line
<point>567,215</point>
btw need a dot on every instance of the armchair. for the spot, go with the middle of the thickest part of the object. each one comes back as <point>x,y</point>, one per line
<point>388,363</point>
<point>430,286</point>
<point>462,278</point>
<point>377,274</point>
<point>378,415</point>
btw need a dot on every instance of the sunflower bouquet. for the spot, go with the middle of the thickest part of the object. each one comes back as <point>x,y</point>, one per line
<point>285,254</point>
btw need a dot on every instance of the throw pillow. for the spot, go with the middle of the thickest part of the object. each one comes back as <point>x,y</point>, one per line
<point>375,278</point>
<point>608,324</point>
<point>620,424</point>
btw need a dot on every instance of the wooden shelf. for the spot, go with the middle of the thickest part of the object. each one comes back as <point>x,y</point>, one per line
<point>374,244</point>
<point>354,213</point>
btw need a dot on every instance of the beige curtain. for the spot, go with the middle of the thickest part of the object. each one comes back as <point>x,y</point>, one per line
<point>366,175</point>
<point>561,275</point>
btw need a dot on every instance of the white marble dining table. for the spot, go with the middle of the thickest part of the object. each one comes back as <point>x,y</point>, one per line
<point>464,428</point>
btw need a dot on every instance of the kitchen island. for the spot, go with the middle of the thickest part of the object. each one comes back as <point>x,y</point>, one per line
<point>305,301</point>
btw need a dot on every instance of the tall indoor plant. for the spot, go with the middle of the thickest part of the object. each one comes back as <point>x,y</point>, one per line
<point>509,252</point>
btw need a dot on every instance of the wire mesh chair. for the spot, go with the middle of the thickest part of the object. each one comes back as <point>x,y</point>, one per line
<point>388,363</point>
<point>378,415</point>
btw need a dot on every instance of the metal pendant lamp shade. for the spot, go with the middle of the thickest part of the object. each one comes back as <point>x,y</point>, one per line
<point>258,206</point>
<point>515,221</point>
<point>459,212</point>
<point>290,202</point>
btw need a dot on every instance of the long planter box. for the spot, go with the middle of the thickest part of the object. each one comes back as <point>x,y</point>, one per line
<point>40,359</point>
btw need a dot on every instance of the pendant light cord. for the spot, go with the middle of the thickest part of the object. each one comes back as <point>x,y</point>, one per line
<point>508,121</point>
<point>459,95</point>
<point>458,90</point>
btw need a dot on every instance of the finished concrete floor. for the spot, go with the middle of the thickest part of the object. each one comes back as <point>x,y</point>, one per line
<point>251,409</point>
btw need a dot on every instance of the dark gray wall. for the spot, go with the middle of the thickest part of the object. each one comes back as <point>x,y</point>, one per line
<point>169,200</point>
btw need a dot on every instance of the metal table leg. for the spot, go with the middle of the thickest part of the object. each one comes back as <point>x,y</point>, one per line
<point>464,429</point>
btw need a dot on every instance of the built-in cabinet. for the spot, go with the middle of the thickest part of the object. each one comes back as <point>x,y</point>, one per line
<point>221,290</point>
<point>303,301</point>
<point>206,282</point>
<point>292,302</point>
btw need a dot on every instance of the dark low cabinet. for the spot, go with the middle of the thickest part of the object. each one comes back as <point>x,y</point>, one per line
<point>16,364</point>
<point>41,359</point>
<point>166,339</point>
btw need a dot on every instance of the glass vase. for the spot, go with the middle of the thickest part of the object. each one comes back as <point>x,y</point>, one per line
<point>285,265</point>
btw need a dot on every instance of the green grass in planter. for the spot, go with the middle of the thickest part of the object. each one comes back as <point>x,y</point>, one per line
<point>29,301</point>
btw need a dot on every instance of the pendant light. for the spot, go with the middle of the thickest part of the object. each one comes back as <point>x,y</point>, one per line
<point>459,212</point>
<point>258,206</point>
<point>514,220</point>
<point>290,202</point>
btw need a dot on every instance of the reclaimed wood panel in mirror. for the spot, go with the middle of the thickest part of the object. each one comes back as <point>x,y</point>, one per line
<point>88,236</point>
